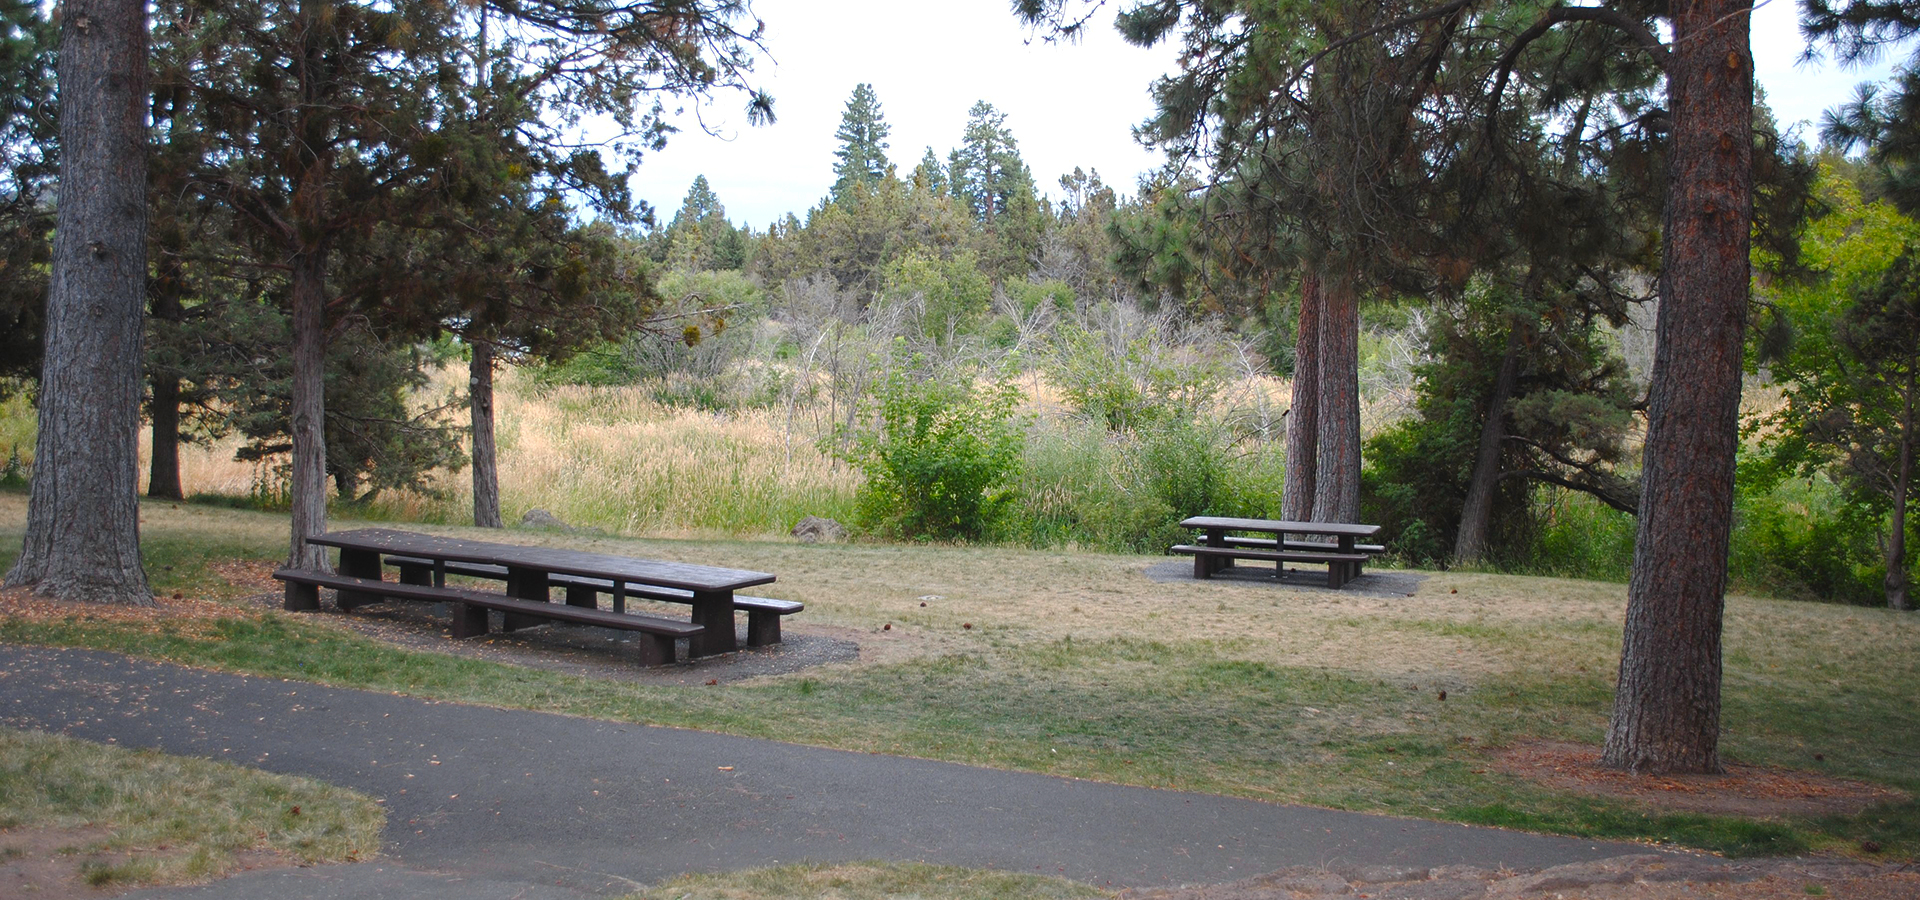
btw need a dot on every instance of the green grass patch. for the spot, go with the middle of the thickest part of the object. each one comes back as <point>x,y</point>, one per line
<point>1325,699</point>
<point>867,881</point>
<point>186,818</point>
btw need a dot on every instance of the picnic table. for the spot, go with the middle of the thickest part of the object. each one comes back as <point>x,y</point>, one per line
<point>1219,546</point>
<point>424,562</point>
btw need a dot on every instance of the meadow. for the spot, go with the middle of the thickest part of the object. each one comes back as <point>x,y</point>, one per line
<point>1058,655</point>
<point>1076,663</point>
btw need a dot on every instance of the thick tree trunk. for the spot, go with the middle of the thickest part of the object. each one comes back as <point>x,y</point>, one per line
<point>1896,582</point>
<point>1470,542</point>
<point>308,425</point>
<point>486,478</point>
<point>83,517</point>
<point>1666,710</point>
<point>163,469</point>
<point>1336,479</point>
<point>1303,419</point>
<point>308,263</point>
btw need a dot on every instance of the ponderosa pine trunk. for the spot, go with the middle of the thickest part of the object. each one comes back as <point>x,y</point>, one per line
<point>1666,709</point>
<point>486,476</point>
<point>163,468</point>
<point>1303,419</point>
<point>83,515</point>
<point>1470,541</point>
<point>1896,581</point>
<point>1336,479</point>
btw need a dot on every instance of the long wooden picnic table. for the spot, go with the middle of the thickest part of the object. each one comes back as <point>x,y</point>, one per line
<point>1217,550</point>
<point>530,568</point>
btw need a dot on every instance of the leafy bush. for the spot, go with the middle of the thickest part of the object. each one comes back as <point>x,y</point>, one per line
<point>940,459</point>
<point>1083,484</point>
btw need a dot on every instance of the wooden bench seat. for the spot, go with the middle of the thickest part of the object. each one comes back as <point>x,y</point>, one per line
<point>1341,567</point>
<point>1268,543</point>
<point>763,613</point>
<point>470,609</point>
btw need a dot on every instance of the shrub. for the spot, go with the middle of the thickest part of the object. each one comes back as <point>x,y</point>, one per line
<point>940,459</point>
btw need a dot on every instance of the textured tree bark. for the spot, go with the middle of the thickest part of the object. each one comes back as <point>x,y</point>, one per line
<point>163,469</point>
<point>1896,581</point>
<point>308,264</point>
<point>1336,479</point>
<point>309,487</point>
<point>1303,419</point>
<point>1470,541</point>
<point>486,478</point>
<point>83,516</point>
<point>1666,710</point>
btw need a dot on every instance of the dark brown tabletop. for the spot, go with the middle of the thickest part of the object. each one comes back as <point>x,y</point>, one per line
<point>685,576</point>
<point>1280,526</point>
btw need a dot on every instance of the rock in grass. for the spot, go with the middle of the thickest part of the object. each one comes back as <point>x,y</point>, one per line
<point>814,529</point>
<point>540,518</point>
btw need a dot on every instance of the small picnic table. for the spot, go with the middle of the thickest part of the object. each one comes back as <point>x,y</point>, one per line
<point>1219,546</point>
<point>529,572</point>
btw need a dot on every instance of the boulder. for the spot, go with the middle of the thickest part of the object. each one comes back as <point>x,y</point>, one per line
<point>814,529</point>
<point>540,518</point>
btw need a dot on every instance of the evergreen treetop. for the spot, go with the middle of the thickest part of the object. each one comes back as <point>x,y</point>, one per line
<point>862,134</point>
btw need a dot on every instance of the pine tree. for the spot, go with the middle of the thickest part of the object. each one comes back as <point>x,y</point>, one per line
<point>354,149</point>
<point>700,238</point>
<point>83,524</point>
<point>27,44</point>
<point>930,176</point>
<point>862,134</point>
<point>985,171</point>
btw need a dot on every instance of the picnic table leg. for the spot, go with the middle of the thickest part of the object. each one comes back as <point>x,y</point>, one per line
<point>301,597</point>
<point>712,610</point>
<point>582,595</point>
<point>415,573</point>
<point>1217,537</point>
<point>763,628</point>
<point>527,584</point>
<point>359,564</point>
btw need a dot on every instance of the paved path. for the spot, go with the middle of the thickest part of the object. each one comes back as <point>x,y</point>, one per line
<point>488,803</point>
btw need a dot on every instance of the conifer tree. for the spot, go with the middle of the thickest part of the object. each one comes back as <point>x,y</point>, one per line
<point>862,134</point>
<point>323,126</point>
<point>83,533</point>
<point>930,175</point>
<point>27,161</point>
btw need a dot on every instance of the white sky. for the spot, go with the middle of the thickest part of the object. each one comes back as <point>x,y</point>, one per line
<point>1067,105</point>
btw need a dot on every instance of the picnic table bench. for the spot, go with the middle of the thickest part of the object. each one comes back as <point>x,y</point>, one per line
<point>529,573</point>
<point>763,613</point>
<point>1216,549</point>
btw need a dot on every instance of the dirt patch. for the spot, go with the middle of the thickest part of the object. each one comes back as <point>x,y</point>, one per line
<point>21,603</point>
<point>55,863</point>
<point>1747,791</point>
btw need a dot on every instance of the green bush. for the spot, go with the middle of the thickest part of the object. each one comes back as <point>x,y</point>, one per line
<point>940,459</point>
<point>1080,483</point>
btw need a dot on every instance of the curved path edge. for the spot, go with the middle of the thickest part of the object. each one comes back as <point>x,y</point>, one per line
<point>485,802</point>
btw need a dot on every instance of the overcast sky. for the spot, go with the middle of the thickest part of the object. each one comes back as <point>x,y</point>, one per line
<point>1067,105</point>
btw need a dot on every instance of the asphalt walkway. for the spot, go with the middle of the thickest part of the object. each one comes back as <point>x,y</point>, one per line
<point>488,803</point>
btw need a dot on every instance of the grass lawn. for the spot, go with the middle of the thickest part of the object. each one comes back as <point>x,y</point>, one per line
<point>140,817</point>
<point>868,881</point>
<point>1077,664</point>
